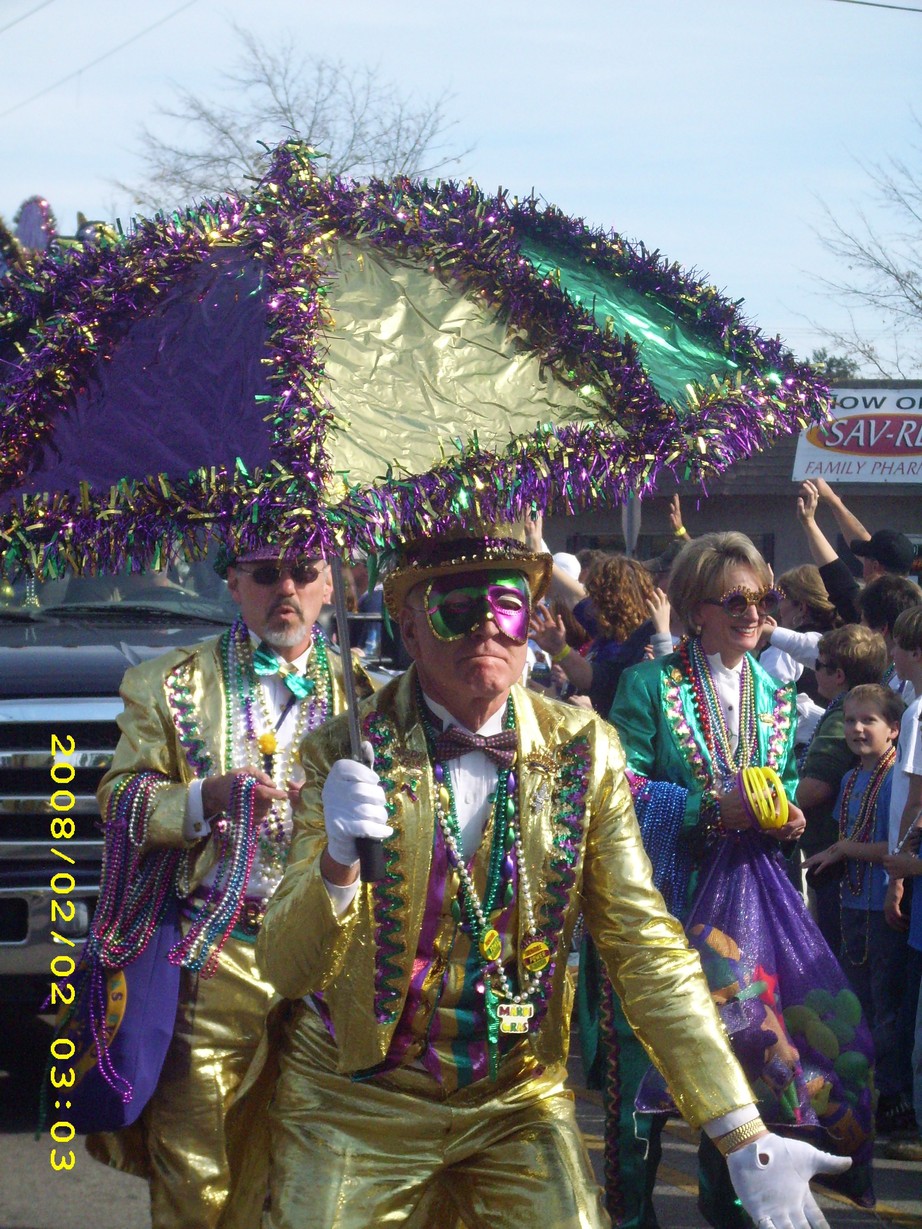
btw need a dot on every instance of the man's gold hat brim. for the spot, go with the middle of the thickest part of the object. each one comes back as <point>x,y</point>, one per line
<point>466,551</point>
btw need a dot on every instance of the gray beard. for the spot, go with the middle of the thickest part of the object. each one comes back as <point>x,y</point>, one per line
<point>286,639</point>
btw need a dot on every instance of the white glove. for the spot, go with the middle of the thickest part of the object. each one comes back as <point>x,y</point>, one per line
<point>353,805</point>
<point>772,1176</point>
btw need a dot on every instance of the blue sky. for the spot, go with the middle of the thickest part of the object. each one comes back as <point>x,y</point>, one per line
<point>712,130</point>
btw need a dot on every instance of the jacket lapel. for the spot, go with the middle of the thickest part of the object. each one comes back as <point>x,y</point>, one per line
<point>402,761</point>
<point>198,707</point>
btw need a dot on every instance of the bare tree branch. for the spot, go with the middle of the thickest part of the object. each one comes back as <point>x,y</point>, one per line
<point>362,124</point>
<point>883,270</point>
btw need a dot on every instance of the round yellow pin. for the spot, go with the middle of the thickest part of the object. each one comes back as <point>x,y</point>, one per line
<point>536,956</point>
<point>490,945</point>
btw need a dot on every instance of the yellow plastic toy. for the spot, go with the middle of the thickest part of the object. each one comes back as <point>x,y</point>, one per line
<point>765,796</point>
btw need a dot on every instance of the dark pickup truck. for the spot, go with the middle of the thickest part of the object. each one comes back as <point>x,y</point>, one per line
<point>63,650</point>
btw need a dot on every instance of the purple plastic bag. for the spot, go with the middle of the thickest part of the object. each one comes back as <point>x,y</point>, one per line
<point>793,1020</point>
<point>134,1008</point>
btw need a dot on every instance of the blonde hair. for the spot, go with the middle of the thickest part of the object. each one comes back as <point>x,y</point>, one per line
<point>858,652</point>
<point>701,571</point>
<point>804,585</point>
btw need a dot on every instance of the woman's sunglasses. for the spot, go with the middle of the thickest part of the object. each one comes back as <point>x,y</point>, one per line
<point>737,602</point>
<point>453,610</point>
<point>304,572</point>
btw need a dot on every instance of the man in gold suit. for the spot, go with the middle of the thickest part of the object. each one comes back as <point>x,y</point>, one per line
<point>423,1063</point>
<point>198,722</point>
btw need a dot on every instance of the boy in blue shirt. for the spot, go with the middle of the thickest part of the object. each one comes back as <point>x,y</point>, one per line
<point>872,954</point>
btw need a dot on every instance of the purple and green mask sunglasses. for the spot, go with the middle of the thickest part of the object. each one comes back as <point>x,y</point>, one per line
<point>458,605</point>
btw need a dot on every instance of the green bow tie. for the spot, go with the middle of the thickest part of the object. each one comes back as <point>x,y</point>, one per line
<point>265,663</point>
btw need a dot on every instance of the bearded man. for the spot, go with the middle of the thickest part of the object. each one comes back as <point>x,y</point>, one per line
<point>203,779</point>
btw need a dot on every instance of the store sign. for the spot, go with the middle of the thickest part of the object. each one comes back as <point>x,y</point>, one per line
<point>874,435</point>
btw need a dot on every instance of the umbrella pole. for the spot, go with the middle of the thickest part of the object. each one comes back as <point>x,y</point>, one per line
<point>371,851</point>
<point>630,523</point>
<point>342,635</point>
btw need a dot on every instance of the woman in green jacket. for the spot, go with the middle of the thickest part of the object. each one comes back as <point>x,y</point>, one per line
<point>690,723</point>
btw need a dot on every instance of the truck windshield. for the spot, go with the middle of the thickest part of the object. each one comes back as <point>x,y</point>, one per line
<point>183,592</point>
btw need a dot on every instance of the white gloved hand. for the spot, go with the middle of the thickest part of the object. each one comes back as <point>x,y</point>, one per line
<point>772,1176</point>
<point>353,805</point>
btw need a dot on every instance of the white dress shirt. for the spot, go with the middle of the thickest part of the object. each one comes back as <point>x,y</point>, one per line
<point>727,685</point>
<point>473,778</point>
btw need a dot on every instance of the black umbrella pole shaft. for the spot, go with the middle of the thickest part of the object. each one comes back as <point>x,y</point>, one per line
<point>371,851</point>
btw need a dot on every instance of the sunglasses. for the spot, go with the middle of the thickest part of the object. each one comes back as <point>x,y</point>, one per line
<point>826,665</point>
<point>454,611</point>
<point>303,572</point>
<point>737,602</point>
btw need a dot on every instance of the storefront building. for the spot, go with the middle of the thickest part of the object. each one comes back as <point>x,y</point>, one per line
<point>870,453</point>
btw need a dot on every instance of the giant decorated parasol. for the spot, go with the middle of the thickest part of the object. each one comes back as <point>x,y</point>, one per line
<point>340,364</point>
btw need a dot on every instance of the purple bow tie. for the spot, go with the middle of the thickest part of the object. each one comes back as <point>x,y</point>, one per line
<point>455,742</point>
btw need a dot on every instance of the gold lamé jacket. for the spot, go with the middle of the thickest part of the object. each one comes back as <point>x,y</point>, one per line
<point>572,793</point>
<point>170,703</point>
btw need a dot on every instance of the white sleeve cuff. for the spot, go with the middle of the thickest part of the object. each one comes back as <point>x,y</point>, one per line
<point>662,644</point>
<point>341,897</point>
<point>729,1122</point>
<point>194,824</point>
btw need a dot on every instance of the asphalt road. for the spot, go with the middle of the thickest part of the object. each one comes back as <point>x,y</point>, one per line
<point>89,1196</point>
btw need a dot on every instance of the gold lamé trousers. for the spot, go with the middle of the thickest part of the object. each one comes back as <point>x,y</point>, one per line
<point>396,1150</point>
<point>218,1027</point>
<point>180,1142</point>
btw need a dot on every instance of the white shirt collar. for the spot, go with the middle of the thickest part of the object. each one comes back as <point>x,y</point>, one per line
<point>717,666</point>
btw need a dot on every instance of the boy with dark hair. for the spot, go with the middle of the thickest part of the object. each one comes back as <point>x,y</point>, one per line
<point>846,657</point>
<point>881,603</point>
<point>872,953</point>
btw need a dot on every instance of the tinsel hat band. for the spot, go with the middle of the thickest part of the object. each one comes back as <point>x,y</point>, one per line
<point>227,558</point>
<point>482,548</point>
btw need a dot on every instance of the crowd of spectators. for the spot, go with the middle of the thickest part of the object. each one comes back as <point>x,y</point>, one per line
<point>852,647</point>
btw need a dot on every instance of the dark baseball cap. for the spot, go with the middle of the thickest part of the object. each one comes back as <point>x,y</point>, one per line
<point>892,550</point>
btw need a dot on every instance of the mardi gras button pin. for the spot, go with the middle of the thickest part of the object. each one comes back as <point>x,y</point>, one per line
<point>536,956</point>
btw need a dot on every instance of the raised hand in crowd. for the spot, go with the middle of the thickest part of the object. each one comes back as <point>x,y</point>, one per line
<point>808,500</point>
<point>675,517</point>
<point>534,533</point>
<point>549,633</point>
<point>660,611</point>
<point>548,630</point>
<point>849,525</point>
<point>821,549</point>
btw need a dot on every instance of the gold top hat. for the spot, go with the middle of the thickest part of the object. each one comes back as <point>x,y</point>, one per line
<point>467,548</point>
